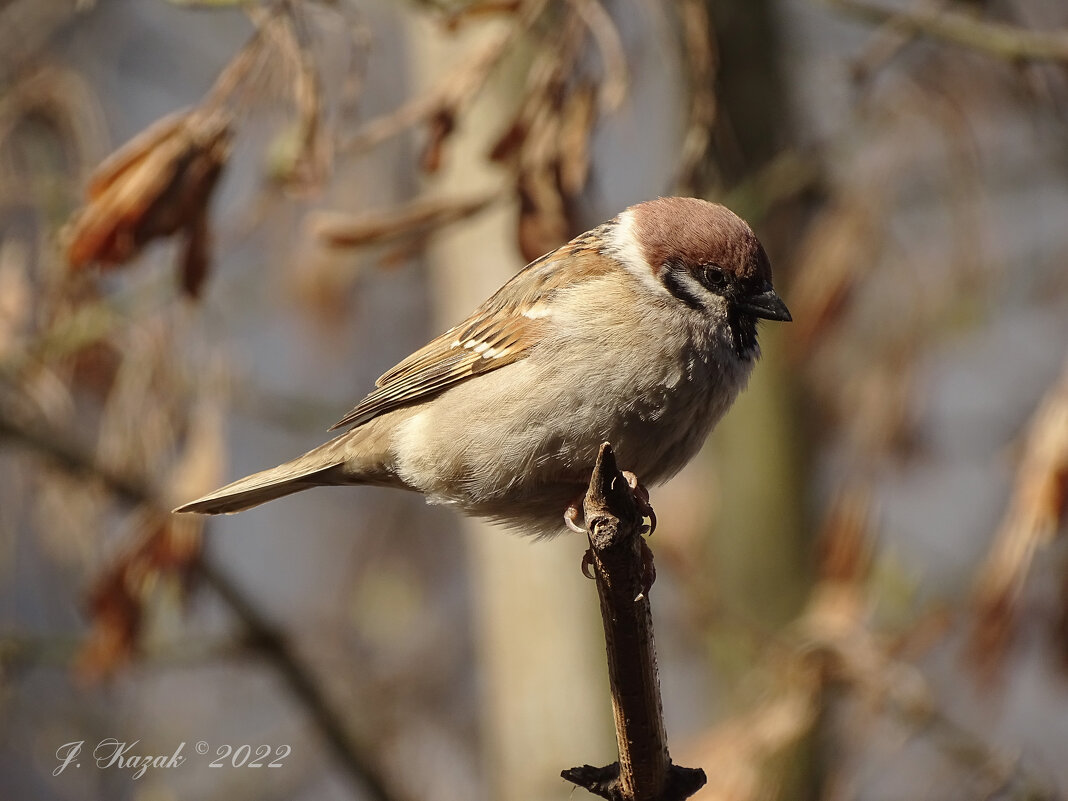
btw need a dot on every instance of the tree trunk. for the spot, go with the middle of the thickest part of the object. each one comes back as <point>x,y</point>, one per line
<point>541,651</point>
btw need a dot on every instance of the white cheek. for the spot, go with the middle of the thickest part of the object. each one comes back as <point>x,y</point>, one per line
<point>716,307</point>
<point>713,311</point>
<point>623,244</point>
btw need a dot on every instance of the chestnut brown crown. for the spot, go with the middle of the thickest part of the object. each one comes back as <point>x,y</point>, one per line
<point>701,251</point>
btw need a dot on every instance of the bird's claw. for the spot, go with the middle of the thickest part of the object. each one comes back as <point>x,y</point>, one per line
<point>587,564</point>
<point>648,575</point>
<point>645,509</point>
<point>572,516</point>
<point>641,500</point>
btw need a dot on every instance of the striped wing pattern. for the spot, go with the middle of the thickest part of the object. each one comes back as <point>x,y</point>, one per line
<point>502,330</point>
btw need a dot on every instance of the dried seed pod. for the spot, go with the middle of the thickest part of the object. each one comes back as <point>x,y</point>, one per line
<point>167,545</point>
<point>1037,511</point>
<point>439,129</point>
<point>578,118</point>
<point>157,185</point>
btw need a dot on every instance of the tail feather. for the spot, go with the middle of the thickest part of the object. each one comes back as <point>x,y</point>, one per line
<point>359,456</point>
<point>264,486</point>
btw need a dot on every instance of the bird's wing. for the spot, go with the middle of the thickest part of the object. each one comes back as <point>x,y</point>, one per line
<point>502,330</point>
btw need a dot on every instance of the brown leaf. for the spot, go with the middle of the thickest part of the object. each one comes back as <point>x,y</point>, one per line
<point>844,553</point>
<point>576,127</point>
<point>193,266</point>
<point>836,250</point>
<point>473,11</point>
<point>1036,511</point>
<point>116,615</point>
<point>166,545</point>
<point>543,218</point>
<point>509,143</point>
<point>420,216</point>
<point>439,128</point>
<point>157,185</point>
<point>133,152</point>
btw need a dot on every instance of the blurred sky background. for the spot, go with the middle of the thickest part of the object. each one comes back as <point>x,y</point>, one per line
<point>860,590</point>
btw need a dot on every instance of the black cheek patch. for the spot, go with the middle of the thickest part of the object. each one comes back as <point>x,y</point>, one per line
<point>671,274</point>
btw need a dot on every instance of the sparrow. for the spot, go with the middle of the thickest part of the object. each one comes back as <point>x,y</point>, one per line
<point>640,332</point>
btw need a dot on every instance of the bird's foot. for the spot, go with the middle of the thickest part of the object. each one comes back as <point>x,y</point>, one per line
<point>648,575</point>
<point>645,509</point>
<point>641,500</point>
<point>573,520</point>
<point>573,513</point>
<point>587,564</point>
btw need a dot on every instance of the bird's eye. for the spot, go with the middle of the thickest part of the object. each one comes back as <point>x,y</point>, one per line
<point>713,278</point>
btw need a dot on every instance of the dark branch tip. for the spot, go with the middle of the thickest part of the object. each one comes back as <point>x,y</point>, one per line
<point>609,498</point>
<point>604,782</point>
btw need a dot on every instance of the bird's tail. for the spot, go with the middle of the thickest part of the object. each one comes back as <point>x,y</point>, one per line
<point>355,457</point>
<point>320,467</point>
<point>259,488</point>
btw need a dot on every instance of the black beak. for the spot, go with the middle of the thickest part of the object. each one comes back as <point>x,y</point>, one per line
<point>767,305</point>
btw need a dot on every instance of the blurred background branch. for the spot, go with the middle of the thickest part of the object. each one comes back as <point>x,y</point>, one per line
<point>955,23</point>
<point>260,635</point>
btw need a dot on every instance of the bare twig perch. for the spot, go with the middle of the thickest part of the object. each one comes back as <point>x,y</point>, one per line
<point>644,771</point>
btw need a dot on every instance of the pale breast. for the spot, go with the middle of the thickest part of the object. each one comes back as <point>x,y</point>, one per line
<point>523,435</point>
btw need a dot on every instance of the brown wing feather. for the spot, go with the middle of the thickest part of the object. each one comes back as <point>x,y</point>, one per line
<point>502,330</point>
